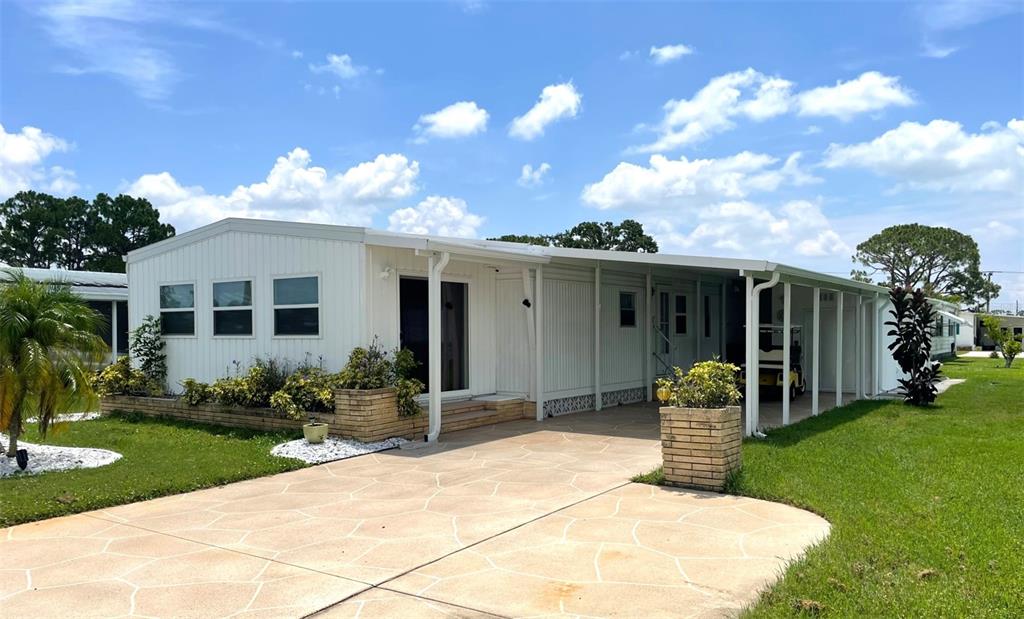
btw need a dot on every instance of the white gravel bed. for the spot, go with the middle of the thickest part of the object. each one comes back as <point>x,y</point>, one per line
<point>69,417</point>
<point>331,449</point>
<point>46,458</point>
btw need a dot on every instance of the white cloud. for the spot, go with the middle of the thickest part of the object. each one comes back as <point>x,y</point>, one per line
<point>458,120</point>
<point>533,177</point>
<point>752,95</point>
<point>296,54</point>
<point>444,216</point>
<point>339,65</point>
<point>668,53</point>
<point>997,230</point>
<point>941,156</point>
<point>748,229</point>
<point>293,190</point>
<point>940,17</point>
<point>812,130</point>
<point>557,101</point>
<point>21,163</point>
<point>681,183</point>
<point>870,92</point>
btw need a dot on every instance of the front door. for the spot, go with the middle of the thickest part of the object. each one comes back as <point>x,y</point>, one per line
<point>674,337</point>
<point>414,330</point>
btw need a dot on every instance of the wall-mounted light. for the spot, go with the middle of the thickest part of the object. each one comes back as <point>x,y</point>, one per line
<point>386,273</point>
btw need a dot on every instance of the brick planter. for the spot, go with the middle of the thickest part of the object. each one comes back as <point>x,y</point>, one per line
<point>372,415</point>
<point>230,416</point>
<point>700,446</point>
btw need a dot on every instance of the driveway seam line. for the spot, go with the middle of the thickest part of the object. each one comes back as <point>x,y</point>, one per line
<point>382,585</point>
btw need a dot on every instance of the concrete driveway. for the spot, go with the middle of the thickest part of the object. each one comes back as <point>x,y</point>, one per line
<point>519,519</point>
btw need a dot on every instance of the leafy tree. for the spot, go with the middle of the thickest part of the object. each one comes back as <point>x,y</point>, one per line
<point>941,261</point>
<point>39,230</point>
<point>627,236</point>
<point>913,318</point>
<point>1009,345</point>
<point>47,342</point>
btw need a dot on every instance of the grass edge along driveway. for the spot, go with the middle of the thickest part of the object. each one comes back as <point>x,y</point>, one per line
<point>926,505</point>
<point>160,457</point>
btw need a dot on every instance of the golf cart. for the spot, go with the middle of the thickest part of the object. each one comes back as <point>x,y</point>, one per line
<point>770,340</point>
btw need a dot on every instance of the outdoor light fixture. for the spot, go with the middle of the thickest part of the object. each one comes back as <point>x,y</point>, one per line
<point>386,273</point>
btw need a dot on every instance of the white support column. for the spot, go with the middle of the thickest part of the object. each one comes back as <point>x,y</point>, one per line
<point>816,352</point>
<point>748,356</point>
<point>113,332</point>
<point>755,382</point>
<point>859,325</point>
<point>839,347</point>
<point>722,322</point>
<point>787,337</point>
<point>648,334</point>
<point>530,332</point>
<point>698,328</point>
<point>876,352</point>
<point>597,337</point>
<point>538,312</point>
<point>434,268</point>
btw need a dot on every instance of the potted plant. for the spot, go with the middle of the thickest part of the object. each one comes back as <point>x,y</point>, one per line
<point>708,385</point>
<point>314,431</point>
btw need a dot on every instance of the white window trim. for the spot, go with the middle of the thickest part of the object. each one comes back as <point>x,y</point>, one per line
<point>319,306</point>
<point>195,304</point>
<point>636,308</point>
<point>251,307</point>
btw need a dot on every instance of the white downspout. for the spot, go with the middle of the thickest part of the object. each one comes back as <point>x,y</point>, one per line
<point>755,310</point>
<point>748,386</point>
<point>597,337</point>
<point>434,344</point>
<point>538,313</point>
<point>787,336</point>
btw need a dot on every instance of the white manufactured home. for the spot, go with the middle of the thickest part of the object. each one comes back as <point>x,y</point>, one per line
<point>567,329</point>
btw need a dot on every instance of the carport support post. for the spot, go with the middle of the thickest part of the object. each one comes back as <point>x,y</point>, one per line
<point>815,351</point>
<point>538,313</point>
<point>860,347</point>
<point>698,329</point>
<point>597,337</point>
<point>648,335</point>
<point>434,268</point>
<point>113,332</point>
<point>748,354</point>
<point>876,327</point>
<point>787,336</point>
<point>839,347</point>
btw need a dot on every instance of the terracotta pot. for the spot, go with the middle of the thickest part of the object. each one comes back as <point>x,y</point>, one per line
<point>314,432</point>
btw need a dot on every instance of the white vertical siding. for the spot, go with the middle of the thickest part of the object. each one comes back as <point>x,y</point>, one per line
<point>260,257</point>
<point>568,336</point>
<point>513,364</point>
<point>382,306</point>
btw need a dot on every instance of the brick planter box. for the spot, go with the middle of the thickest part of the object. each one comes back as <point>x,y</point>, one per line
<point>371,415</point>
<point>231,416</point>
<point>700,446</point>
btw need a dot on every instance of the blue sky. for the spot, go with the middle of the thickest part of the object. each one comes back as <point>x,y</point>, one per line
<point>786,131</point>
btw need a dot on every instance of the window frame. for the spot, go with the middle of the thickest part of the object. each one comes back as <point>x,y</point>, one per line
<point>195,303</point>
<point>251,307</point>
<point>318,305</point>
<point>676,314</point>
<point>635,309</point>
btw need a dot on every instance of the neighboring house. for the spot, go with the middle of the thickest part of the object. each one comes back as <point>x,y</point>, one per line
<point>967,330</point>
<point>107,293</point>
<point>947,326</point>
<point>1014,324</point>
<point>566,329</point>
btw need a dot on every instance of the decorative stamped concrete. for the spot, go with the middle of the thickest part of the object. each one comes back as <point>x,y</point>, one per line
<point>516,519</point>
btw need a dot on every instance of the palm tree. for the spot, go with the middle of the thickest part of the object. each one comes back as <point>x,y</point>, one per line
<point>48,346</point>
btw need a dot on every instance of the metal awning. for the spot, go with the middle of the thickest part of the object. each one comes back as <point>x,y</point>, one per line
<point>951,316</point>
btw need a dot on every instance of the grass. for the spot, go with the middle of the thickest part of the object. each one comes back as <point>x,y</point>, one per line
<point>926,505</point>
<point>161,457</point>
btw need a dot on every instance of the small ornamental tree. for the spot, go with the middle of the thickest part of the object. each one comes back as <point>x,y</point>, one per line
<point>147,348</point>
<point>912,322</point>
<point>1008,344</point>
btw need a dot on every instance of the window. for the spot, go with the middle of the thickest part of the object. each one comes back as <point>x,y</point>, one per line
<point>680,314</point>
<point>177,309</point>
<point>232,308</point>
<point>297,306</point>
<point>627,309</point>
<point>707,316</point>
<point>937,331</point>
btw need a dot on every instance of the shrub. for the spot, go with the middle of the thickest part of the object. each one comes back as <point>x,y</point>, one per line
<point>1006,342</point>
<point>373,368</point>
<point>254,388</point>
<point>195,392</point>
<point>120,378</point>
<point>912,322</point>
<point>708,384</point>
<point>308,389</point>
<point>146,345</point>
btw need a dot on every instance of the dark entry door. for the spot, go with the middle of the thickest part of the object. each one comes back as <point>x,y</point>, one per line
<point>414,329</point>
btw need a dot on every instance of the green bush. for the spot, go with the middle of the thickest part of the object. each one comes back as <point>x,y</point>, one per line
<point>195,392</point>
<point>120,378</point>
<point>254,388</point>
<point>708,384</point>
<point>147,347</point>
<point>373,368</point>
<point>307,389</point>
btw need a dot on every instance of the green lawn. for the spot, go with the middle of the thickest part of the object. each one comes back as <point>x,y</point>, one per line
<point>926,505</point>
<point>161,457</point>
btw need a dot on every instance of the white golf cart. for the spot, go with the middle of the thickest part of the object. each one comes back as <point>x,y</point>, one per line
<point>770,341</point>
